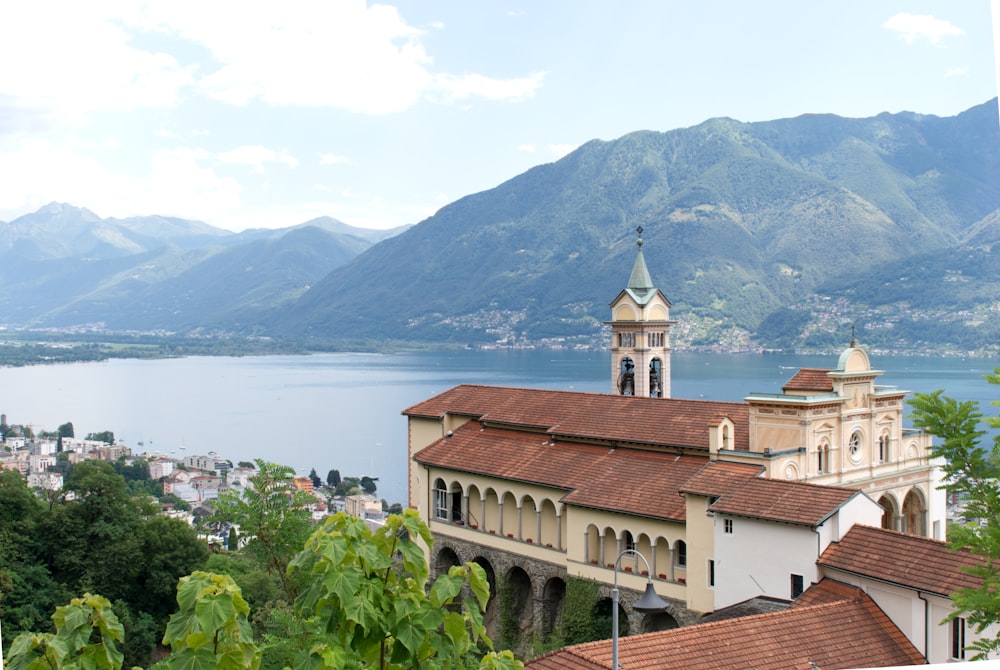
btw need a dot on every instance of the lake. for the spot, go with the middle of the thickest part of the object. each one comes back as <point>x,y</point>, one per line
<point>343,411</point>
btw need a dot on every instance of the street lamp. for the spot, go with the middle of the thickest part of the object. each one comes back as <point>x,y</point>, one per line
<point>649,602</point>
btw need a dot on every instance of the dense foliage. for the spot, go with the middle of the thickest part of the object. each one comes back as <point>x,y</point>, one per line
<point>292,595</point>
<point>99,538</point>
<point>972,471</point>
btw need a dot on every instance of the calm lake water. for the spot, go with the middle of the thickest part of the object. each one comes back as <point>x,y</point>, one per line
<point>344,410</point>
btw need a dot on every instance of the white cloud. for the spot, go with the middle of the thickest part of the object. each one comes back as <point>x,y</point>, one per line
<point>74,58</point>
<point>526,148</point>
<point>454,87</point>
<point>957,72</point>
<point>257,155</point>
<point>177,183</point>
<point>912,27</point>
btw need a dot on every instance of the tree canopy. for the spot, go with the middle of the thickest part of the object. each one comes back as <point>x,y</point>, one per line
<point>972,470</point>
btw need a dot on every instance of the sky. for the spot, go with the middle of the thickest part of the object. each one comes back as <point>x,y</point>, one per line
<point>265,114</point>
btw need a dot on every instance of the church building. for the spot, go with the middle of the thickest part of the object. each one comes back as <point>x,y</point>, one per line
<point>724,502</point>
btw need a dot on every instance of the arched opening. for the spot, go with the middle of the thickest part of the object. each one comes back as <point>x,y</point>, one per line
<point>508,522</point>
<point>455,500</point>
<point>890,513</point>
<point>475,511</point>
<point>490,615</point>
<point>655,621</point>
<point>603,609</point>
<point>592,547</point>
<point>530,529</point>
<point>823,457</point>
<point>884,454</point>
<point>680,561</point>
<point>446,558</point>
<point>516,614</point>
<point>491,520</point>
<point>914,514</point>
<point>552,605</point>
<point>549,537</point>
<point>439,503</point>
<point>626,377</point>
<point>655,378</point>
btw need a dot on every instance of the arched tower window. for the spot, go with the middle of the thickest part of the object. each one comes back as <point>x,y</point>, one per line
<point>884,453</point>
<point>655,378</point>
<point>626,378</point>
<point>823,458</point>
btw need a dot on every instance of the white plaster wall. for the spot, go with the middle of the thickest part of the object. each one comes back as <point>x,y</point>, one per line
<point>759,557</point>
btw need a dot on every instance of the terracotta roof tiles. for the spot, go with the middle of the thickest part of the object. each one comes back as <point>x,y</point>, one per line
<point>586,472</point>
<point>593,416</point>
<point>779,500</point>
<point>907,560</point>
<point>810,379</point>
<point>844,634</point>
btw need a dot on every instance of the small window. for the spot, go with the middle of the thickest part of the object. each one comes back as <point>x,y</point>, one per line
<point>711,572</point>
<point>883,449</point>
<point>629,542</point>
<point>682,554</point>
<point>797,584</point>
<point>958,638</point>
<point>727,526</point>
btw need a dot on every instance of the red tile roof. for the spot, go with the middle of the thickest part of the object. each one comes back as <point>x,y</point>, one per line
<point>779,500</point>
<point>646,483</point>
<point>593,416</point>
<point>810,379</point>
<point>909,561</point>
<point>827,591</point>
<point>851,633</point>
<point>718,477</point>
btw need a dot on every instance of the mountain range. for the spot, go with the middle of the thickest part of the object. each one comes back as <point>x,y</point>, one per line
<point>789,233</point>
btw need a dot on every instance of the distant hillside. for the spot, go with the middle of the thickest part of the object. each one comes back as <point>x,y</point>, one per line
<point>743,221</point>
<point>786,233</point>
<point>64,266</point>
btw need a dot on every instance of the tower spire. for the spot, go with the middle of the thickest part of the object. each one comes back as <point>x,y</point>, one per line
<point>640,281</point>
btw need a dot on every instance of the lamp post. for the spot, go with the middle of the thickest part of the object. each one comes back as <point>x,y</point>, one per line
<point>649,602</point>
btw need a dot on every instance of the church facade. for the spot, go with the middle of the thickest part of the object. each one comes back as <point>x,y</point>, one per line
<point>724,501</point>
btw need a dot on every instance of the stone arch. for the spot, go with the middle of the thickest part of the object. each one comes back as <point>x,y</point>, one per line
<point>490,615</point>
<point>602,618</point>
<point>823,464</point>
<point>914,514</point>
<point>644,545</point>
<point>912,450</point>
<point>520,605</point>
<point>884,446</point>
<point>661,563</point>
<point>655,621</point>
<point>553,597</point>
<point>445,559</point>
<point>890,511</point>
<point>791,471</point>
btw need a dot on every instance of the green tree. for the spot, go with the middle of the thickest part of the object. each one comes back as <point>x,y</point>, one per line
<point>104,436</point>
<point>316,481</point>
<point>272,517</point>
<point>369,485</point>
<point>333,478</point>
<point>973,472</point>
<point>368,592</point>
<point>86,638</point>
<point>211,630</point>
<point>232,539</point>
<point>66,430</point>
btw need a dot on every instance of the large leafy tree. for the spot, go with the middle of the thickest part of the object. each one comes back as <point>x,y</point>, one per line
<point>367,603</point>
<point>972,470</point>
<point>273,518</point>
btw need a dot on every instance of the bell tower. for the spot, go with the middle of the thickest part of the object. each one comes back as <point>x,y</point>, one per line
<point>640,335</point>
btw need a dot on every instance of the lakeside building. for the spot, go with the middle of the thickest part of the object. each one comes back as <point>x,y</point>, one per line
<point>726,501</point>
